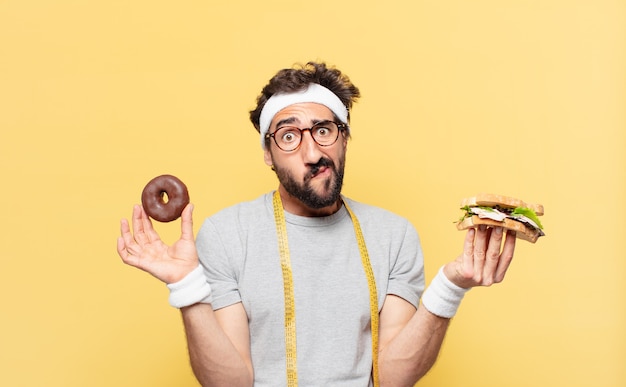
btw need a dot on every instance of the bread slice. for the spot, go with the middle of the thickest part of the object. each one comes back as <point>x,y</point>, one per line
<point>521,231</point>
<point>492,200</point>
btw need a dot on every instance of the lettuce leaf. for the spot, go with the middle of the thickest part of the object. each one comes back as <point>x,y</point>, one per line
<point>530,214</point>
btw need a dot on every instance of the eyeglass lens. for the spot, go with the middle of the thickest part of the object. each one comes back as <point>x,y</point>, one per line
<point>289,137</point>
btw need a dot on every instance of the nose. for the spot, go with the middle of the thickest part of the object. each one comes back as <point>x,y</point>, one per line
<point>309,148</point>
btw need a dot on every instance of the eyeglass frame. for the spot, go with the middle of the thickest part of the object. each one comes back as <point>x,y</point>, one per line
<point>341,127</point>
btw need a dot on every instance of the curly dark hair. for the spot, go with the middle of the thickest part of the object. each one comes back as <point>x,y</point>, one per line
<point>299,77</point>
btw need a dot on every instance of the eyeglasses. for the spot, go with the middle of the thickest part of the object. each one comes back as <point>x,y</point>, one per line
<point>325,133</point>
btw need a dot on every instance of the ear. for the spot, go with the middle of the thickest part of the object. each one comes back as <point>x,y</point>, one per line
<point>267,156</point>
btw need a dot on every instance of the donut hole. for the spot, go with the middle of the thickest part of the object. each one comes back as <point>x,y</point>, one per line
<point>164,197</point>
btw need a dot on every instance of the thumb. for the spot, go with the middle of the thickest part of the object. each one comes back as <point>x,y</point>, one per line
<point>187,223</point>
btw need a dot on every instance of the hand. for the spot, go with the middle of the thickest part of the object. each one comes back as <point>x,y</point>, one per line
<point>485,259</point>
<point>144,249</point>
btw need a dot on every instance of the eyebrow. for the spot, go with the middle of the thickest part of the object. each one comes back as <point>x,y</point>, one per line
<point>292,120</point>
<point>289,120</point>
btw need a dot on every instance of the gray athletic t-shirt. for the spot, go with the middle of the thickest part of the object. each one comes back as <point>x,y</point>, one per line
<point>238,248</point>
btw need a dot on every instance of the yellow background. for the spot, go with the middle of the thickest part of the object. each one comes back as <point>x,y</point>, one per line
<point>525,98</point>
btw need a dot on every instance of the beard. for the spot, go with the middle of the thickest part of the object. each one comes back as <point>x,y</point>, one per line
<point>304,192</point>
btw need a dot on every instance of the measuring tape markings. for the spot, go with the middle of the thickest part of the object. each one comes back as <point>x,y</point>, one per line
<point>290,310</point>
<point>371,282</point>
<point>290,305</point>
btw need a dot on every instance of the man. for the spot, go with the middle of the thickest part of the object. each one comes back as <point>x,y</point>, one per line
<point>304,285</point>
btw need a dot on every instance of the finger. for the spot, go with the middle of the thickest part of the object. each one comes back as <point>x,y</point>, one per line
<point>187,223</point>
<point>492,257</point>
<point>138,225</point>
<point>468,254</point>
<point>124,228</point>
<point>127,248</point>
<point>136,241</point>
<point>148,228</point>
<point>507,255</point>
<point>126,235</point>
<point>121,248</point>
<point>480,251</point>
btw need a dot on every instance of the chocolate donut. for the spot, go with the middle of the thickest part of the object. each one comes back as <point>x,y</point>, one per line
<point>153,198</point>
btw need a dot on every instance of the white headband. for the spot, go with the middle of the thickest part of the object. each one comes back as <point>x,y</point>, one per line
<point>315,93</point>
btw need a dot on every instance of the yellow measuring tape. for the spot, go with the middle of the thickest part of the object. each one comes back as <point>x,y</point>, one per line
<point>290,307</point>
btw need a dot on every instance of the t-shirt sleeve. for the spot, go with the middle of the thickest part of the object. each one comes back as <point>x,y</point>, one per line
<point>406,276</point>
<point>218,266</point>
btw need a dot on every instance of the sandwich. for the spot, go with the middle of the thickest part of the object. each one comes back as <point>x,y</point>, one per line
<point>502,211</point>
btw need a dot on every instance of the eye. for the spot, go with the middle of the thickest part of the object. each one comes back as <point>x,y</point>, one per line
<point>324,129</point>
<point>322,132</point>
<point>289,135</point>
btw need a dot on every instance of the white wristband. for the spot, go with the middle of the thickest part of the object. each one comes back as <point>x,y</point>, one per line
<point>442,297</point>
<point>192,289</point>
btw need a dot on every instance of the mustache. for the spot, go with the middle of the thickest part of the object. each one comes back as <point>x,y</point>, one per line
<point>315,168</point>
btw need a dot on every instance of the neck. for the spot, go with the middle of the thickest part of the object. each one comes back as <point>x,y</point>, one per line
<point>296,207</point>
